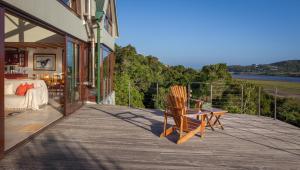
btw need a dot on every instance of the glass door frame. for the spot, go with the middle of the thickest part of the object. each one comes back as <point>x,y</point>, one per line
<point>72,107</point>
<point>2,53</point>
<point>85,71</point>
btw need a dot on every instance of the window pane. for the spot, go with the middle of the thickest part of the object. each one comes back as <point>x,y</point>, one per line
<point>73,76</point>
<point>106,78</point>
<point>67,2</point>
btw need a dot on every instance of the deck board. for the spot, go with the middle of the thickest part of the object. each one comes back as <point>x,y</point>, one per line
<point>115,137</point>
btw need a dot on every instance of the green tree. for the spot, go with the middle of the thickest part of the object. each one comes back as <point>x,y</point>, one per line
<point>122,92</point>
<point>289,111</point>
<point>145,72</point>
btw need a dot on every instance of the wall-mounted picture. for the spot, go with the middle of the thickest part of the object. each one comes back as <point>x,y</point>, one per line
<point>44,62</point>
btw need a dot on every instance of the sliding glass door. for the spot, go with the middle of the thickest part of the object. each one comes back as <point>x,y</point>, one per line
<point>73,99</point>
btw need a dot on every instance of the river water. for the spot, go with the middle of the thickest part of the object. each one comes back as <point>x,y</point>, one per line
<point>262,77</point>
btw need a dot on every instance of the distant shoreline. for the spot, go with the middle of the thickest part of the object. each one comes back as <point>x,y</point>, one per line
<point>266,77</point>
<point>267,74</point>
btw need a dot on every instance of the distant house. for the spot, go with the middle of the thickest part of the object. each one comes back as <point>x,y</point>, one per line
<point>64,49</point>
<point>273,68</point>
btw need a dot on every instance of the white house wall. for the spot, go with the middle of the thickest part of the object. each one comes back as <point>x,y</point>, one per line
<point>107,39</point>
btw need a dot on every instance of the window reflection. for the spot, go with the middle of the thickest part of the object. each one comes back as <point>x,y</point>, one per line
<point>73,4</point>
<point>73,72</point>
<point>106,78</point>
<point>67,2</point>
<point>108,19</point>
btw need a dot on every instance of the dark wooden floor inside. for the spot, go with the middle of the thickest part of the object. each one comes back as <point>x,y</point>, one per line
<point>113,137</point>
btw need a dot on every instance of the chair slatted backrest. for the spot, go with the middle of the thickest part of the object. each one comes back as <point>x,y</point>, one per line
<point>179,91</point>
<point>176,107</point>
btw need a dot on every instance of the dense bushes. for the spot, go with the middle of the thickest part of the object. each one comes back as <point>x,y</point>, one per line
<point>143,73</point>
<point>289,111</point>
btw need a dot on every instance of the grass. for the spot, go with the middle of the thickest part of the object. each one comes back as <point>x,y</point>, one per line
<point>286,89</point>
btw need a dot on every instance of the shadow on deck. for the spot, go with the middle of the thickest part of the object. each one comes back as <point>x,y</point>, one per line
<point>114,137</point>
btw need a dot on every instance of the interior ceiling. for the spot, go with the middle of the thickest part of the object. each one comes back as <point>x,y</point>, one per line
<point>33,45</point>
<point>18,31</point>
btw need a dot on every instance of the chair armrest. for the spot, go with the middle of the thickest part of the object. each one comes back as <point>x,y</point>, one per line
<point>198,103</point>
<point>196,114</point>
<point>215,110</point>
<point>196,100</point>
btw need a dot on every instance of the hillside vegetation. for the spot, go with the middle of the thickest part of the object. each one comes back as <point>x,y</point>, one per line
<point>284,88</point>
<point>288,66</point>
<point>143,73</point>
<point>283,68</point>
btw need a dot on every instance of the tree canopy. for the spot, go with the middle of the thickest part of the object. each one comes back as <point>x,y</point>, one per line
<point>144,81</point>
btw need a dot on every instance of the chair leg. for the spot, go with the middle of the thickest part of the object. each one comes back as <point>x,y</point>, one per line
<point>168,132</point>
<point>188,135</point>
<point>181,127</point>
<point>203,125</point>
<point>164,133</point>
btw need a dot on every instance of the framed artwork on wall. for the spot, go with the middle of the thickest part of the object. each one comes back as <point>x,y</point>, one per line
<point>44,62</point>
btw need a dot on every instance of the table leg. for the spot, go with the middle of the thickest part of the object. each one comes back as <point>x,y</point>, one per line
<point>208,122</point>
<point>218,121</point>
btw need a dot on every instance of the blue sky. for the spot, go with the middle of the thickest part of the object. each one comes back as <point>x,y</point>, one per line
<point>199,32</point>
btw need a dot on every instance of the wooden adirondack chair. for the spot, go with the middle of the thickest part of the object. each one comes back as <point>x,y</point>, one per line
<point>186,124</point>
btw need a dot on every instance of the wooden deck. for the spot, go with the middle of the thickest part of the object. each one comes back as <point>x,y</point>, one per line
<point>113,137</point>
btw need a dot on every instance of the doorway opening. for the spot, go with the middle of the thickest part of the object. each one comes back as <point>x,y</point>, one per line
<point>34,79</point>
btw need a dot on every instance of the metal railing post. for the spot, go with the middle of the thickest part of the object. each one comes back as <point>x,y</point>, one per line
<point>211,94</point>
<point>129,96</point>
<point>275,104</point>
<point>242,100</point>
<point>157,92</point>
<point>189,96</point>
<point>259,92</point>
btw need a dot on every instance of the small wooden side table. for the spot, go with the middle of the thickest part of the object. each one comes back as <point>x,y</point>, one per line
<point>214,119</point>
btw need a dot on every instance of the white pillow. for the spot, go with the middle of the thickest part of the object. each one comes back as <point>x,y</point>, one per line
<point>8,89</point>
